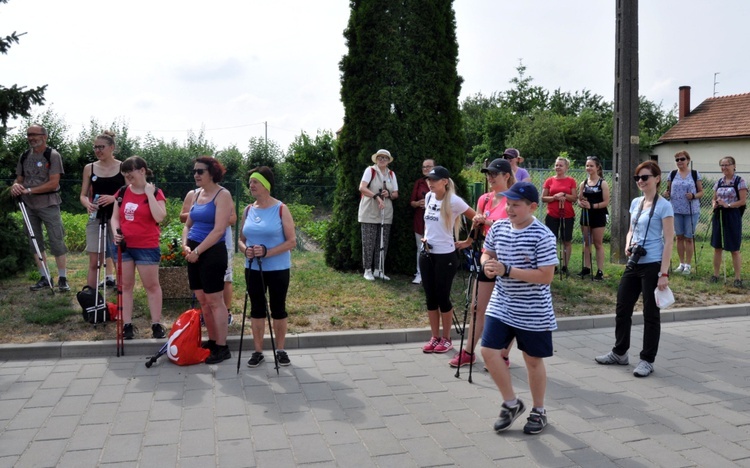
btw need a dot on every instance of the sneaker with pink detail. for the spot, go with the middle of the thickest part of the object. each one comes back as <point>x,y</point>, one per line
<point>462,358</point>
<point>444,346</point>
<point>429,347</point>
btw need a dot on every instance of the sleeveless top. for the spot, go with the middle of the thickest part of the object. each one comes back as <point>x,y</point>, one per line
<point>593,193</point>
<point>204,219</point>
<point>264,226</point>
<point>105,186</point>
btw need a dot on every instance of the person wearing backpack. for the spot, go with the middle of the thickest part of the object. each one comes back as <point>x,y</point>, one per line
<point>37,183</point>
<point>378,189</point>
<point>684,191</point>
<point>730,198</point>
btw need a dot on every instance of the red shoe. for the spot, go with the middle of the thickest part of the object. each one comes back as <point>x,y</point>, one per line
<point>462,358</point>
<point>429,347</point>
<point>444,346</point>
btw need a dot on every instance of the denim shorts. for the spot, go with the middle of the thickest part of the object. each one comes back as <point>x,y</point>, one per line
<point>142,256</point>
<point>684,224</point>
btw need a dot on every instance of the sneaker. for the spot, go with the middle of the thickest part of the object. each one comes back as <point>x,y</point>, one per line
<point>507,360</point>
<point>255,360</point>
<point>714,279</point>
<point>508,414</point>
<point>462,358</point>
<point>687,270</point>
<point>109,282</point>
<point>599,276</point>
<point>584,272</point>
<point>643,369</point>
<point>41,284</point>
<point>417,279</point>
<point>738,284</point>
<point>565,270</point>
<point>158,331</point>
<point>283,358</point>
<point>230,319</point>
<point>62,284</point>
<point>128,331</point>
<point>368,275</point>
<point>219,354</point>
<point>535,422</point>
<point>429,347</point>
<point>444,346</point>
<point>680,268</point>
<point>381,275</point>
<point>209,344</point>
<point>612,358</point>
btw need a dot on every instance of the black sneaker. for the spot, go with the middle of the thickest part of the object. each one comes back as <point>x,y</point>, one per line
<point>41,284</point>
<point>255,359</point>
<point>565,270</point>
<point>219,354</point>
<point>128,331</point>
<point>508,415</point>
<point>535,422</point>
<point>599,276</point>
<point>737,284</point>
<point>110,283</point>
<point>283,358</point>
<point>62,284</point>
<point>209,344</point>
<point>584,272</point>
<point>158,331</point>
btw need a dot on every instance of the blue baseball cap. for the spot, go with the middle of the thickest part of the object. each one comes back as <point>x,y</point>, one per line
<point>523,191</point>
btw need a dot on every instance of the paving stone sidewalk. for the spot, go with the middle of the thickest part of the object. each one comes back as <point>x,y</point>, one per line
<point>386,405</point>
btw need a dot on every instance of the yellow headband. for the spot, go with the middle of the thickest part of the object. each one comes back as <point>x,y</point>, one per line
<point>259,177</point>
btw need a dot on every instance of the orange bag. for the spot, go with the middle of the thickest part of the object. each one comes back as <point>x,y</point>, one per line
<point>184,343</point>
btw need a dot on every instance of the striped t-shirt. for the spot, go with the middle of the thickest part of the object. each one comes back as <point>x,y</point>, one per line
<point>527,306</point>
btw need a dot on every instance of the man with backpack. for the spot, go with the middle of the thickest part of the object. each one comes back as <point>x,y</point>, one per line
<point>37,184</point>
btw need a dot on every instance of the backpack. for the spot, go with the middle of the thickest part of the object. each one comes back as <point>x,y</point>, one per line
<point>47,155</point>
<point>372,177</point>
<point>184,343</point>
<point>693,173</point>
<point>736,186</point>
<point>94,308</point>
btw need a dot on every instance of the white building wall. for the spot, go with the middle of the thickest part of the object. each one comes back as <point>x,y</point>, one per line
<point>705,155</point>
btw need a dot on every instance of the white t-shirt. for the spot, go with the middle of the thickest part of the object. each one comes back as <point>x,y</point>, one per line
<point>437,234</point>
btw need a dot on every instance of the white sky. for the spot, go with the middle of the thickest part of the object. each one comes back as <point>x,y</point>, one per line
<point>169,66</point>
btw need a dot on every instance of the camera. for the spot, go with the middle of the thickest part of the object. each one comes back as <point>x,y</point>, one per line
<point>636,252</point>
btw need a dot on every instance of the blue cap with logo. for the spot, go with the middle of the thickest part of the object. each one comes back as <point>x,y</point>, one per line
<point>522,191</point>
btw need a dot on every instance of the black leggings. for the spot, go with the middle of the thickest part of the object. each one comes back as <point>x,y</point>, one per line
<point>277,284</point>
<point>438,271</point>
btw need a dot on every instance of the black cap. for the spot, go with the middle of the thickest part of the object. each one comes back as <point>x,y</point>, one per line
<point>498,165</point>
<point>439,172</point>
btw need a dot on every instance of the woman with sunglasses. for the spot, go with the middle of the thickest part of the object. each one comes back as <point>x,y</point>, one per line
<point>378,188</point>
<point>593,200</point>
<point>514,158</point>
<point>649,250</point>
<point>684,190</point>
<point>730,197</point>
<point>206,252</point>
<point>135,219</point>
<point>101,181</point>
<point>559,192</point>
<point>490,208</point>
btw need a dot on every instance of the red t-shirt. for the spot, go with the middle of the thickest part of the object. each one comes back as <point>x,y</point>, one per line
<point>138,227</point>
<point>555,185</point>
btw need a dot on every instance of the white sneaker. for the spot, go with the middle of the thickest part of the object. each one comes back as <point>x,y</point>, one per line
<point>680,268</point>
<point>417,279</point>
<point>368,275</point>
<point>381,275</point>
<point>686,270</point>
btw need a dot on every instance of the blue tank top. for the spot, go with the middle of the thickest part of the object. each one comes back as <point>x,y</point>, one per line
<point>204,219</point>
<point>264,226</point>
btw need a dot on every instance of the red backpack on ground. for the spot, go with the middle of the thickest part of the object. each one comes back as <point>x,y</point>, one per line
<point>184,343</point>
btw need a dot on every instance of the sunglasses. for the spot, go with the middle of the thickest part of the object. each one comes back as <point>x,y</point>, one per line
<point>198,171</point>
<point>643,177</point>
<point>680,159</point>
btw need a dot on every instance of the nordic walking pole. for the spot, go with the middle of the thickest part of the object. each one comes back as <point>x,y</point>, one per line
<point>39,255</point>
<point>723,244</point>
<point>268,311</point>
<point>705,235</point>
<point>470,302</point>
<point>244,314</point>
<point>120,340</point>
<point>475,304</point>
<point>692,229</point>
<point>560,232</point>
<point>382,239</point>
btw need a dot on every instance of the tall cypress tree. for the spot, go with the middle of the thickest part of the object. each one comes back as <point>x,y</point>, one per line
<point>400,90</point>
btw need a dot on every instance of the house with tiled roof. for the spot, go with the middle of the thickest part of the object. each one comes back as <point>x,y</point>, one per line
<point>718,127</point>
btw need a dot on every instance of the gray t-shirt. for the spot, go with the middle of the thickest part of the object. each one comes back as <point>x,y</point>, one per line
<point>36,171</point>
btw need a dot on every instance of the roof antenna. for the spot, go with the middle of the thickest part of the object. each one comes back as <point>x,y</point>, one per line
<point>715,83</point>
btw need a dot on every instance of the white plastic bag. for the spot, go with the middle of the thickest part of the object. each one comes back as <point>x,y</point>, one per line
<point>664,299</point>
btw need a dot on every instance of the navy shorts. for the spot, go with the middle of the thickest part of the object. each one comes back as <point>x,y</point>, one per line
<point>498,335</point>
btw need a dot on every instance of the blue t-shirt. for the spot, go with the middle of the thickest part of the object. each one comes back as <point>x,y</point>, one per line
<point>264,226</point>
<point>523,305</point>
<point>655,238</point>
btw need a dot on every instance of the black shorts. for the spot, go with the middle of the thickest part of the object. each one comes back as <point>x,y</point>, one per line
<point>207,274</point>
<point>554,225</point>
<point>277,284</point>
<point>596,218</point>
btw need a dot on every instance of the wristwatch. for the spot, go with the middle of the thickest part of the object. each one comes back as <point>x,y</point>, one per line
<point>666,275</point>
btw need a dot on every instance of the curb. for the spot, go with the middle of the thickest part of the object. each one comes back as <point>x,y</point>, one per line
<point>149,347</point>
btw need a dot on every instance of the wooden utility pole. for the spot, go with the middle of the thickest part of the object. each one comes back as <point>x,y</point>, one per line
<point>625,155</point>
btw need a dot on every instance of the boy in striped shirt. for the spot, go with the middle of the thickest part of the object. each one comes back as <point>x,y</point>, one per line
<point>520,253</point>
